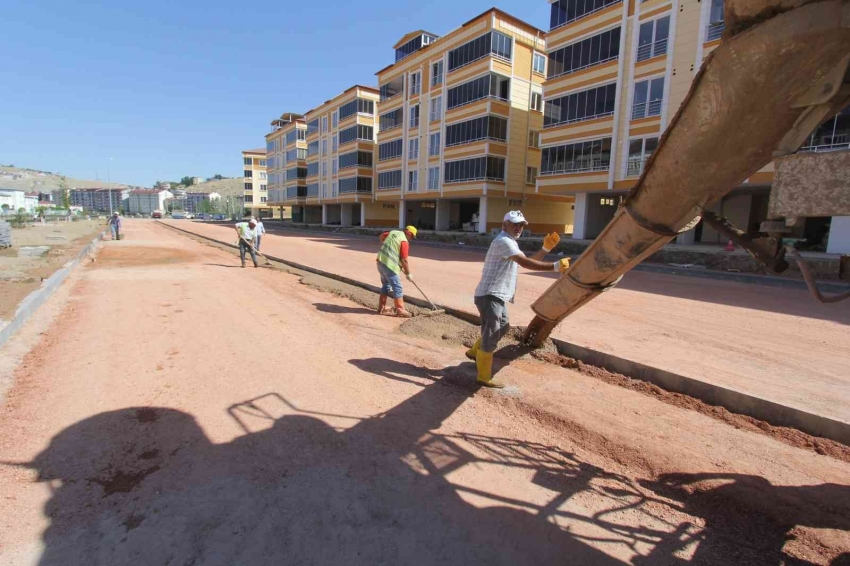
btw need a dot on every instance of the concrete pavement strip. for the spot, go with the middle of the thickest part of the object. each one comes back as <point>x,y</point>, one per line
<point>737,402</point>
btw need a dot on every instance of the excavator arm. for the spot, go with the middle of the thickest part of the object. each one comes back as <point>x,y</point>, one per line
<point>780,70</point>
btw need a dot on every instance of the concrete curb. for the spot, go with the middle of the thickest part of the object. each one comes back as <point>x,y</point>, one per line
<point>734,401</point>
<point>34,300</point>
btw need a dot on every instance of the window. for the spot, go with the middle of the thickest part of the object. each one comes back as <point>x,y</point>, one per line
<point>335,188</point>
<point>413,46</point>
<point>648,99</point>
<point>414,116</point>
<point>494,43</point>
<point>436,109</point>
<point>585,105</point>
<point>392,88</point>
<point>295,154</point>
<point>594,155</point>
<point>537,101</point>
<point>530,175</point>
<point>413,181</point>
<point>566,11</point>
<point>296,135</point>
<point>335,164</point>
<point>475,169</point>
<point>390,150</point>
<point>324,190</point>
<point>355,185</point>
<point>262,162</point>
<point>437,73</point>
<point>433,178</point>
<point>263,175</point>
<point>355,159</point>
<point>652,38</point>
<point>335,143</point>
<point>313,190</point>
<point>392,120</point>
<point>434,144</point>
<point>312,126</point>
<point>324,168</point>
<point>324,124</point>
<point>313,148</point>
<point>413,149</point>
<point>249,187</point>
<point>325,146</point>
<point>533,138</point>
<point>296,173</point>
<point>716,21</point>
<point>491,85</point>
<point>356,132</point>
<point>249,198</point>
<point>248,173</point>
<point>831,135</point>
<point>389,180</point>
<point>263,199</point>
<point>358,105</point>
<point>415,81</point>
<point>639,152</point>
<point>539,64</point>
<point>313,169</point>
<point>335,119</point>
<point>247,160</point>
<point>269,149</point>
<point>486,127</point>
<point>583,54</point>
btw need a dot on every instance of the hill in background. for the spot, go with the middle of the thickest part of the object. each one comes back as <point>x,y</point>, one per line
<point>46,181</point>
<point>224,187</point>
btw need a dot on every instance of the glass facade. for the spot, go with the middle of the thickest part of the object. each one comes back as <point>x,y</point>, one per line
<point>491,85</point>
<point>592,155</point>
<point>486,127</point>
<point>586,105</point>
<point>475,169</point>
<point>494,43</point>
<point>586,53</point>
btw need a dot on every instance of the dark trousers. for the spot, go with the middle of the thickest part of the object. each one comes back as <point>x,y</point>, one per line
<point>243,245</point>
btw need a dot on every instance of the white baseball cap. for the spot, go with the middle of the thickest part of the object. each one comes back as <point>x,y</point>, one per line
<point>516,217</point>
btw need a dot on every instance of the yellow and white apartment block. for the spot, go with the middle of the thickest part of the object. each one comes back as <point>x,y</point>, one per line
<point>286,159</point>
<point>254,192</point>
<point>617,72</point>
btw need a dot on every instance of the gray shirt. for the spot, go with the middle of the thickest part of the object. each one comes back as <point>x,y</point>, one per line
<point>499,275</point>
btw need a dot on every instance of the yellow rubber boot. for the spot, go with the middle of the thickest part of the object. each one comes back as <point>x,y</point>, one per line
<point>484,363</point>
<point>473,352</point>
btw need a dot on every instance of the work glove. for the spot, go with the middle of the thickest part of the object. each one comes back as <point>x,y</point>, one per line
<point>550,241</point>
<point>410,277</point>
<point>561,265</point>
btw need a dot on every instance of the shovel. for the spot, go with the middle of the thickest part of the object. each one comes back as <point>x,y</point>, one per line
<point>256,251</point>
<point>435,310</point>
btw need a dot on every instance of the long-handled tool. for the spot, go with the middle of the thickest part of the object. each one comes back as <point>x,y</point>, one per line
<point>435,310</point>
<point>256,251</point>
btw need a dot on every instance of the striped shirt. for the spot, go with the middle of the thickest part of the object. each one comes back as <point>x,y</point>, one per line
<point>500,272</point>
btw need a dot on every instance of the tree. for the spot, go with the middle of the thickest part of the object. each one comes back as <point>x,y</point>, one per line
<point>217,177</point>
<point>5,206</point>
<point>187,181</point>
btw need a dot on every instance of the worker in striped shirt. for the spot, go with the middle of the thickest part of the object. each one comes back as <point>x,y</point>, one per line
<point>498,286</point>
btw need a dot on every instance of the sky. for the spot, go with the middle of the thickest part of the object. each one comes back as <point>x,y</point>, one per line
<point>141,91</point>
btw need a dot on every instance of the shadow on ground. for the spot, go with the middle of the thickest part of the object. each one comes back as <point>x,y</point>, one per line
<point>146,486</point>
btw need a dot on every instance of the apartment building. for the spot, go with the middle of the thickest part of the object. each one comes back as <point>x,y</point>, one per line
<point>255,188</point>
<point>98,200</point>
<point>459,118</point>
<point>286,159</point>
<point>200,202</point>
<point>617,72</point>
<point>145,201</point>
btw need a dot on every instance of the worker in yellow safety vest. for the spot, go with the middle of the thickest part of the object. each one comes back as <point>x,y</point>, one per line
<point>391,261</point>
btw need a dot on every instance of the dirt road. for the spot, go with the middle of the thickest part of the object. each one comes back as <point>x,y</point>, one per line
<point>774,343</point>
<point>172,408</point>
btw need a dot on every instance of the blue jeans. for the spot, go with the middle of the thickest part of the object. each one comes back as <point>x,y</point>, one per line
<point>390,282</point>
<point>114,230</point>
<point>257,245</point>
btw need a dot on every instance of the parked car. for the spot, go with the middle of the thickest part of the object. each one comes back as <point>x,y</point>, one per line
<point>156,214</point>
<point>219,217</point>
<point>178,215</point>
<point>201,216</point>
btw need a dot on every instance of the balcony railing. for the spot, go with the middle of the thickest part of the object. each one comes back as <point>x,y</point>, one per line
<point>583,166</point>
<point>837,143</point>
<point>634,167</point>
<point>646,109</point>
<point>352,190</point>
<point>651,50</point>
<point>714,30</point>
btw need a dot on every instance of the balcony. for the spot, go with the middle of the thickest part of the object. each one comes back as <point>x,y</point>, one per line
<point>833,143</point>
<point>354,190</point>
<point>296,192</point>
<point>579,166</point>
<point>312,191</point>
<point>634,167</point>
<point>650,50</point>
<point>714,30</point>
<point>646,109</point>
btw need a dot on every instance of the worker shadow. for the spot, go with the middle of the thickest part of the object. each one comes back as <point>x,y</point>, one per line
<point>751,508</point>
<point>416,375</point>
<point>222,265</point>
<point>340,309</point>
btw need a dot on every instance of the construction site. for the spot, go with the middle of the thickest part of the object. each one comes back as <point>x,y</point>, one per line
<point>291,390</point>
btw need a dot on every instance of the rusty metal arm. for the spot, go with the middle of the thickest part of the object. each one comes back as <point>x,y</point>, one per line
<point>741,107</point>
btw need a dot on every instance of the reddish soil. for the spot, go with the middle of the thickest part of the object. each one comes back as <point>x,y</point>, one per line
<point>183,410</point>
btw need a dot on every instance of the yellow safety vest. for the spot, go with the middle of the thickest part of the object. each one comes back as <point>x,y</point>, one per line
<point>391,250</point>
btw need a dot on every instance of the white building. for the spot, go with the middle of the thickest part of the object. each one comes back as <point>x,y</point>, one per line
<point>145,201</point>
<point>13,200</point>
